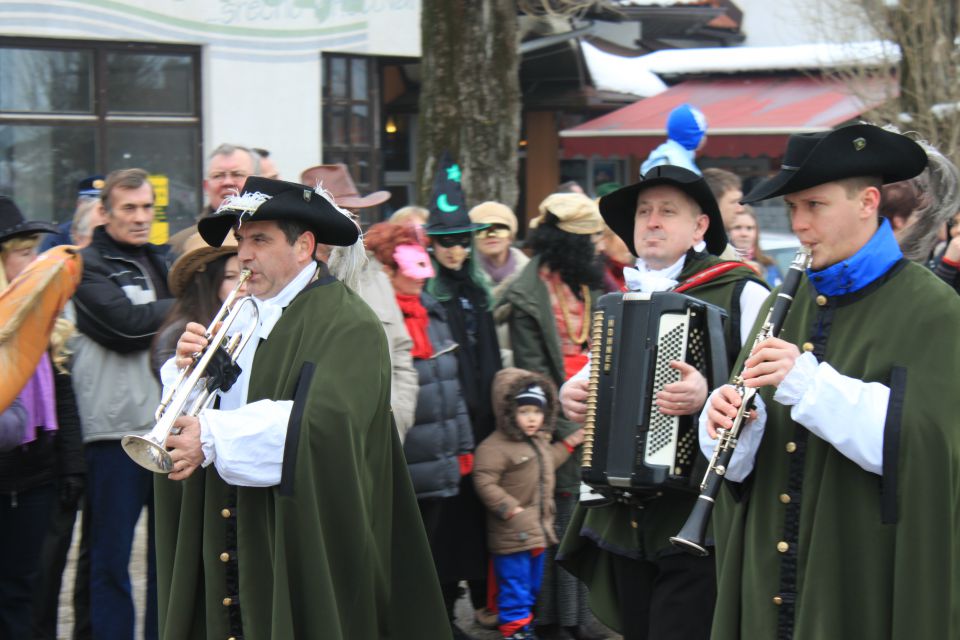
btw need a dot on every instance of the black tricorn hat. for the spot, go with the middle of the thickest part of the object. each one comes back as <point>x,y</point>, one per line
<point>12,222</point>
<point>265,199</point>
<point>620,207</point>
<point>813,159</point>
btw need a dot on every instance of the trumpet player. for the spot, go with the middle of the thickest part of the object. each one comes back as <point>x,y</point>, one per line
<point>646,589</point>
<point>839,516</point>
<point>305,525</point>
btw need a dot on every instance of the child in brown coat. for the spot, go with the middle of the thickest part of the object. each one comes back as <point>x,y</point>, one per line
<point>514,476</point>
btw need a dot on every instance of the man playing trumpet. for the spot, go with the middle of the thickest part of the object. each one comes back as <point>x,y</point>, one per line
<point>307,522</point>
<point>839,517</point>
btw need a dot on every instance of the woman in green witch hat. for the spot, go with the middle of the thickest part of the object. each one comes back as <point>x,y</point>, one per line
<point>460,288</point>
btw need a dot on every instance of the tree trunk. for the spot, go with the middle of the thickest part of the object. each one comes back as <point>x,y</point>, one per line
<point>470,96</point>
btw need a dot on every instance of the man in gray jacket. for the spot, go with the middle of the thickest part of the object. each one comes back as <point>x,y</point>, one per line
<point>120,303</point>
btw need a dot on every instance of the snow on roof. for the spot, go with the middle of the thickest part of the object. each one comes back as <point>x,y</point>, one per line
<point>656,3</point>
<point>616,73</point>
<point>782,58</point>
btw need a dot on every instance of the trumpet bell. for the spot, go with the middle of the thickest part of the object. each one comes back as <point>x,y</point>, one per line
<point>147,453</point>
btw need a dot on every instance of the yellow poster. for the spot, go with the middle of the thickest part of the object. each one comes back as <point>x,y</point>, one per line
<point>160,231</point>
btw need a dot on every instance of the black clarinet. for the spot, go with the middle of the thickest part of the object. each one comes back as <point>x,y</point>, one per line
<point>692,535</point>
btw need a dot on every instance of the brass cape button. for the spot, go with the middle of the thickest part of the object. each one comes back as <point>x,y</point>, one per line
<point>791,447</point>
<point>777,600</point>
<point>227,602</point>
<point>225,513</point>
<point>785,498</point>
<point>231,638</point>
<point>783,547</point>
<point>808,346</point>
<point>821,300</point>
<point>224,557</point>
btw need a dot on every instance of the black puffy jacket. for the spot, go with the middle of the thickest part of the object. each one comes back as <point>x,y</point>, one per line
<point>441,429</point>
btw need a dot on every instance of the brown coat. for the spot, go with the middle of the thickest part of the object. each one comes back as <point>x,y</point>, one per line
<point>512,469</point>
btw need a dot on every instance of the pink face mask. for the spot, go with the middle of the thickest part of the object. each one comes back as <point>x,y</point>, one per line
<point>413,261</point>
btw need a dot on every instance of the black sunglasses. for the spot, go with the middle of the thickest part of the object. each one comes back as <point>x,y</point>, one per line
<point>449,240</point>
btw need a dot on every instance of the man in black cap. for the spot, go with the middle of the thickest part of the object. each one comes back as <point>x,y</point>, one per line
<point>88,200</point>
<point>305,525</point>
<point>639,584</point>
<point>839,517</point>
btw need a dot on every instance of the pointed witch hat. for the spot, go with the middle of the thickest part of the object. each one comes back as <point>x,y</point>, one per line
<point>448,207</point>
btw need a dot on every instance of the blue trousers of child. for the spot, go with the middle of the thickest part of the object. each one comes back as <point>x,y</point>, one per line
<point>518,583</point>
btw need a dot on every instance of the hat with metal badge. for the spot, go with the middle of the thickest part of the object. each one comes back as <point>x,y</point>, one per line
<point>859,150</point>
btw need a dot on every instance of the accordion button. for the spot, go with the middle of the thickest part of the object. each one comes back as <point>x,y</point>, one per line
<point>777,600</point>
<point>808,346</point>
<point>783,547</point>
<point>791,447</point>
<point>785,498</point>
<point>822,300</point>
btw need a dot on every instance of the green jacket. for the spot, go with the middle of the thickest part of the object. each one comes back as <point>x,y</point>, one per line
<point>596,536</point>
<point>536,347</point>
<point>847,553</point>
<point>337,550</point>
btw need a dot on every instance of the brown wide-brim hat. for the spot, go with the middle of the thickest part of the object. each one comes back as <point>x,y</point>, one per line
<point>197,254</point>
<point>336,179</point>
<point>12,222</point>
<point>264,199</point>
<point>619,208</point>
<point>859,150</point>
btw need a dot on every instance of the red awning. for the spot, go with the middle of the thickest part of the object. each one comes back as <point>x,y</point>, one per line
<point>746,116</point>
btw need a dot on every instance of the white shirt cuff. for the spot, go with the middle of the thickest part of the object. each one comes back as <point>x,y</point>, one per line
<point>246,444</point>
<point>848,413</point>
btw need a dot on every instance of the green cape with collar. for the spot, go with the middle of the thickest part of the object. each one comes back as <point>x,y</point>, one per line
<point>864,556</point>
<point>337,550</point>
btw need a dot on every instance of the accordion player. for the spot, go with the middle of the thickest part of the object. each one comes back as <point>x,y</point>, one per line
<point>630,448</point>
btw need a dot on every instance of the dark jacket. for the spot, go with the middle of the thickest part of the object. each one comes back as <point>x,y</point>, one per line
<point>53,454</point>
<point>513,469</point>
<point>441,429</point>
<point>536,347</point>
<point>117,303</point>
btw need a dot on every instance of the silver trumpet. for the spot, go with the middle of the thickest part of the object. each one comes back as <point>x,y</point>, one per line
<point>192,392</point>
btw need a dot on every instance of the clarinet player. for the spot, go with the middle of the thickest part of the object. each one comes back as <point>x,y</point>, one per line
<point>839,517</point>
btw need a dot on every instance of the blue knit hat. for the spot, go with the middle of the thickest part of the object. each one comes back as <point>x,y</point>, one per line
<point>532,395</point>
<point>686,125</point>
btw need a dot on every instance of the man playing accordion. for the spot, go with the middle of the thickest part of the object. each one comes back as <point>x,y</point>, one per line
<point>639,584</point>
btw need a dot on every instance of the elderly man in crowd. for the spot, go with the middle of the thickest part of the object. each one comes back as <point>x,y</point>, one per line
<point>120,303</point>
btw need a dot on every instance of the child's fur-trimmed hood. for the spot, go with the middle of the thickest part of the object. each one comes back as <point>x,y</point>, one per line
<point>506,385</point>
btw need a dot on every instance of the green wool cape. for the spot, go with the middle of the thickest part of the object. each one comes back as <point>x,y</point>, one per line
<point>597,535</point>
<point>813,547</point>
<point>337,550</point>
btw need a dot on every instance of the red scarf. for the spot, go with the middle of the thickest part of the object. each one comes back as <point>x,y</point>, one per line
<point>415,317</point>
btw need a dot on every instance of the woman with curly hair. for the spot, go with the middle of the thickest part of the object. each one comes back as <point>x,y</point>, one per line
<point>439,446</point>
<point>549,319</point>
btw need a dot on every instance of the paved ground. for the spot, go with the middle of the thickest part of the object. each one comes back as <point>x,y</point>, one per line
<point>464,610</point>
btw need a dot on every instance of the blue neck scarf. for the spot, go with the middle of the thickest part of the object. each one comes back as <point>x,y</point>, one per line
<point>869,263</point>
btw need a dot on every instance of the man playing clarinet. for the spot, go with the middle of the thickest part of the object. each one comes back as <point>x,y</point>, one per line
<point>839,515</point>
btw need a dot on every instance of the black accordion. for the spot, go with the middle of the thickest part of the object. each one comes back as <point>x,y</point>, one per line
<point>629,447</point>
